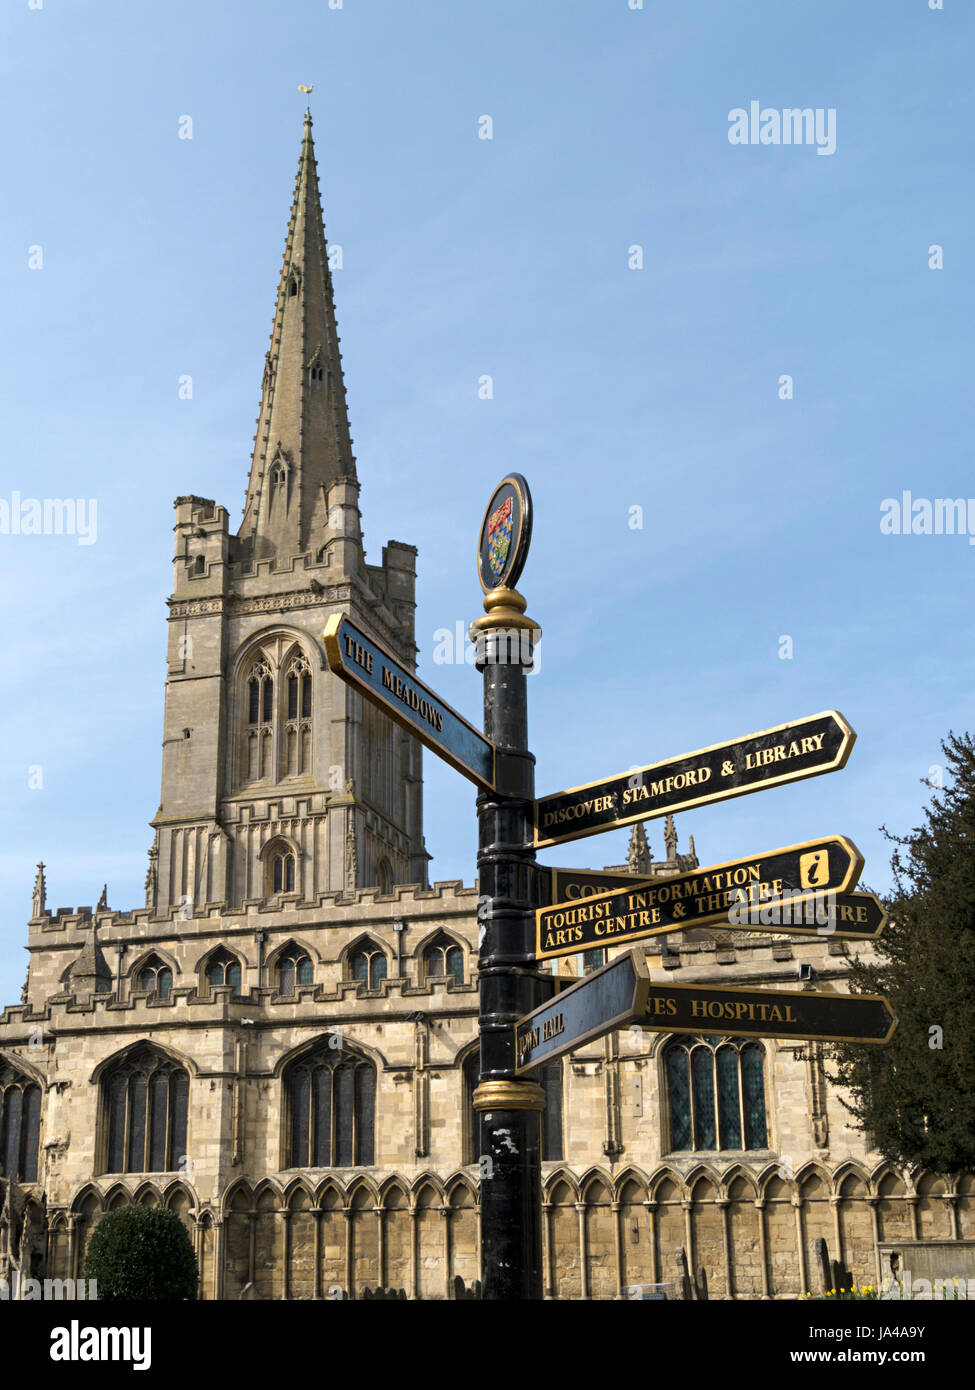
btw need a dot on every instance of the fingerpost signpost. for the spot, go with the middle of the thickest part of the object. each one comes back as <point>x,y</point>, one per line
<point>529,914</point>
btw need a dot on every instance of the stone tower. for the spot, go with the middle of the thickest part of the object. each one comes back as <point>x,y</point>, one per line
<point>276,780</point>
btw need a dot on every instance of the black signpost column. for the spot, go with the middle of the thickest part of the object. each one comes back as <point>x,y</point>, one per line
<point>510,983</point>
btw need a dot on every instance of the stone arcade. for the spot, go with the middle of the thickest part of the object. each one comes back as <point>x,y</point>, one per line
<point>281,1044</point>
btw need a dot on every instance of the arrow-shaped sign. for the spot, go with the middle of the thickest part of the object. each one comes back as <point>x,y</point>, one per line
<point>858,915</point>
<point>699,897</point>
<point>805,748</point>
<point>364,663</point>
<point>621,995</point>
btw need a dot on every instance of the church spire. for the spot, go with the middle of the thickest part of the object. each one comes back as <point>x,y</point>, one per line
<point>302,445</point>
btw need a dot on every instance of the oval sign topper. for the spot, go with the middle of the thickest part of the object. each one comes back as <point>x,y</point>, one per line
<point>506,533</point>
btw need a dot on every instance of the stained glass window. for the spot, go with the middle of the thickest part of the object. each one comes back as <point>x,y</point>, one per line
<point>146,1098</point>
<point>716,1094</point>
<point>19,1126</point>
<point>332,1098</point>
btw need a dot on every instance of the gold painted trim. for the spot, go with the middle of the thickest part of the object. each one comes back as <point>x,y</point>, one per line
<point>849,881</point>
<point>509,1095</point>
<point>736,1032</point>
<point>337,665</point>
<point>504,609</point>
<point>840,761</point>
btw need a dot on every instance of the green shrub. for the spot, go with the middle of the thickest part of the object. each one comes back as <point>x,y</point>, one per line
<point>142,1253</point>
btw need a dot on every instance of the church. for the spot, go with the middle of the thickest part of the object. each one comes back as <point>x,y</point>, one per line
<point>280,1045</point>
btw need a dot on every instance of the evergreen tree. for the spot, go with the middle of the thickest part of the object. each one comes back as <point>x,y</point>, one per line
<point>142,1253</point>
<point>916,1097</point>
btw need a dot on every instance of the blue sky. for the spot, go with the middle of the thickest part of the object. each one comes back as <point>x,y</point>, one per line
<point>614,387</point>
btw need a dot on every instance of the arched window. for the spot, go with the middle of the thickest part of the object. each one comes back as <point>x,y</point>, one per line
<point>444,958</point>
<point>223,969</point>
<point>293,968</point>
<point>384,876</point>
<point>549,1078</point>
<point>368,964</point>
<point>145,1099</point>
<point>316,372</point>
<point>716,1094</point>
<point>280,870</point>
<point>156,978</point>
<point>331,1099</point>
<point>292,287</point>
<point>260,721</point>
<point>470,1075</point>
<point>20,1125</point>
<point>297,729</point>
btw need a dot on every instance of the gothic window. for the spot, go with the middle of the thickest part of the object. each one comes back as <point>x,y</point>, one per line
<point>292,287</point>
<point>444,958</point>
<point>280,871</point>
<point>368,964</point>
<point>20,1125</point>
<point>156,978</point>
<point>550,1080</point>
<point>716,1094</point>
<point>293,968</point>
<point>316,371</point>
<point>384,876</point>
<point>145,1100</point>
<point>331,1097</point>
<point>297,730</point>
<point>223,969</point>
<point>260,720</point>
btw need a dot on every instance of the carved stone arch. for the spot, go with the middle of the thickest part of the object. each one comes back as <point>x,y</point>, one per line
<point>276,642</point>
<point>140,962</point>
<point>268,1185</point>
<point>370,943</point>
<point>813,1170</point>
<point>363,1184</point>
<point>426,1179</point>
<point>118,1195</point>
<point>590,1176</point>
<point>850,1170</point>
<point>349,1045</point>
<point>179,1186</point>
<point>180,1058</point>
<point>736,1175</point>
<point>293,1188</point>
<point>292,281</point>
<point>394,1186</point>
<point>697,1173</point>
<point>292,944</point>
<point>87,1195</point>
<point>330,1193</point>
<point>630,1176</point>
<point>16,1062</point>
<point>203,964</point>
<point>763,1176</point>
<point>147,1194</point>
<point>238,1196</point>
<point>459,1183</point>
<point>665,1181</point>
<point>440,935</point>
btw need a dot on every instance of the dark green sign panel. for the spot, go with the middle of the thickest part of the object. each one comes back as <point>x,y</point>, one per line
<point>621,995</point>
<point>767,1013</point>
<point>603,1001</point>
<point>805,748</point>
<point>364,663</point>
<point>858,915</point>
<point>699,897</point>
<point>569,885</point>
